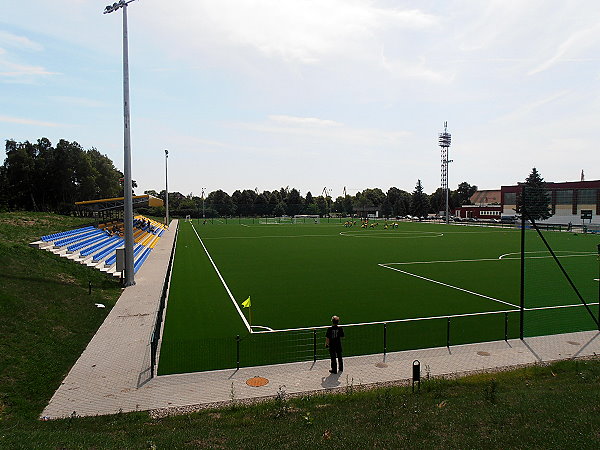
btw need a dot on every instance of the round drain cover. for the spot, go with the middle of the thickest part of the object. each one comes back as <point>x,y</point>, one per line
<point>381,365</point>
<point>257,381</point>
<point>483,353</point>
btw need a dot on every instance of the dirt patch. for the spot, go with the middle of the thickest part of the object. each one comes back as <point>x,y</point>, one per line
<point>19,222</point>
<point>65,278</point>
<point>208,443</point>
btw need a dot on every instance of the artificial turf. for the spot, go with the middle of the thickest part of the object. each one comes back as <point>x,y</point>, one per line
<point>299,275</point>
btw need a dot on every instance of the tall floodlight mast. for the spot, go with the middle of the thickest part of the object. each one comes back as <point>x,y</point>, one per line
<point>167,187</point>
<point>127,186</point>
<point>444,141</point>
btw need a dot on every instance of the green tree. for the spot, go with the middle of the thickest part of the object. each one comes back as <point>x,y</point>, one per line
<point>309,198</point>
<point>419,204</point>
<point>294,202</point>
<point>279,209</point>
<point>464,193</point>
<point>322,205</point>
<point>220,201</point>
<point>534,200</point>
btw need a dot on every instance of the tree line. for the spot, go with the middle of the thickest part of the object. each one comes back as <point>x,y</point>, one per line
<point>45,177</point>
<point>394,202</point>
<point>42,177</point>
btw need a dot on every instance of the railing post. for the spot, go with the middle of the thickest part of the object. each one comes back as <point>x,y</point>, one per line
<point>448,334</point>
<point>314,345</point>
<point>506,326</point>
<point>152,355</point>
<point>522,287</point>
<point>237,340</point>
<point>384,338</point>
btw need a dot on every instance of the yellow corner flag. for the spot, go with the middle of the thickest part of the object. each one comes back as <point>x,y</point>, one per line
<point>246,303</point>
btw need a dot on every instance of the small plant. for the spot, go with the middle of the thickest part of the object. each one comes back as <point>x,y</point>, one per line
<point>308,419</point>
<point>232,392</point>
<point>281,403</point>
<point>349,385</point>
<point>490,391</point>
<point>385,411</point>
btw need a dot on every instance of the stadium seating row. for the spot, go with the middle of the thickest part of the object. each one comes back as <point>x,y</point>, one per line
<point>96,246</point>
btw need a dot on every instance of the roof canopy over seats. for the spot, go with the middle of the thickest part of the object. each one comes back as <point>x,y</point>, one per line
<point>109,204</point>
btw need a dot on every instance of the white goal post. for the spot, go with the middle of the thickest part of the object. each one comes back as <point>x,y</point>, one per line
<point>307,218</point>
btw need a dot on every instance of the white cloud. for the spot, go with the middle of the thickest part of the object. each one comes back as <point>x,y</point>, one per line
<point>304,121</point>
<point>23,121</point>
<point>22,71</point>
<point>575,43</point>
<point>302,32</point>
<point>525,110</point>
<point>79,101</point>
<point>20,42</point>
<point>309,128</point>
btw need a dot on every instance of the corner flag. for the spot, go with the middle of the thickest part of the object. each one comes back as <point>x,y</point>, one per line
<point>246,303</point>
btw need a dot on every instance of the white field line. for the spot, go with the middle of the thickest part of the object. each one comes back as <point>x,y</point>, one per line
<point>559,306</point>
<point>449,285</point>
<point>381,322</point>
<point>569,255</point>
<point>244,225</point>
<point>271,237</point>
<point>392,234</point>
<point>260,326</point>
<point>437,262</point>
<point>501,257</point>
<point>223,281</point>
<point>415,319</point>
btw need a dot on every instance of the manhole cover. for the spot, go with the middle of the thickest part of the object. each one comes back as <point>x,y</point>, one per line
<point>483,354</point>
<point>257,381</point>
<point>573,343</point>
<point>381,365</point>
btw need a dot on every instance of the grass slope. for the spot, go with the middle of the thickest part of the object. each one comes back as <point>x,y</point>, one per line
<point>48,317</point>
<point>553,406</point>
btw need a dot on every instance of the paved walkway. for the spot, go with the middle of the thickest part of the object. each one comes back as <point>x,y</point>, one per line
<point>112,374</point>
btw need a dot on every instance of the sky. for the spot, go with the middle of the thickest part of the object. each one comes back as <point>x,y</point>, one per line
<point>311,94</point>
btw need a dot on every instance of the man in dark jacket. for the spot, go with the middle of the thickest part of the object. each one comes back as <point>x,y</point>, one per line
<point>333,340</point>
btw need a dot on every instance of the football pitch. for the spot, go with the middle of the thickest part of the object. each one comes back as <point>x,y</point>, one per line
<point>416,285</point>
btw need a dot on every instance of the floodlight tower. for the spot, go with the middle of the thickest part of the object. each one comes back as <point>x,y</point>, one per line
<point>127,194</point>
<point>167,187</point>
<point>444,141</point>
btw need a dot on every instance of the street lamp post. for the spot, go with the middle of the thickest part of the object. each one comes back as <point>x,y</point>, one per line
<point>167,187</point>
<point>127,194</point>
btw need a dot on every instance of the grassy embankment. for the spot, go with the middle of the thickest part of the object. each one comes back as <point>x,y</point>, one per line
<point>47,318</point>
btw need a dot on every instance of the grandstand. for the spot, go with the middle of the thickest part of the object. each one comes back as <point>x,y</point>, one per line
<point>96,246</point>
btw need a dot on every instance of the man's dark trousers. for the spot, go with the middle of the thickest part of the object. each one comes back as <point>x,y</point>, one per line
<point>335,352</point>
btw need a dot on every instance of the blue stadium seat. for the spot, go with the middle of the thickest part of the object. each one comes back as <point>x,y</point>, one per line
<point>82,244</point>
<point>73,239</point>
<point>88,251</point>
<point>52,237</point>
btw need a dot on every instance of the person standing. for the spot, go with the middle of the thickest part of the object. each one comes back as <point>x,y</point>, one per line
<point>333,341</point>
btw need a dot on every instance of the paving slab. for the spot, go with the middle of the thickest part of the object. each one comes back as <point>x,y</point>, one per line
<point>113,373</point>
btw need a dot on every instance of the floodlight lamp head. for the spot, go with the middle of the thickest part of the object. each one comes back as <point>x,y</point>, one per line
<point>166,152</point>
